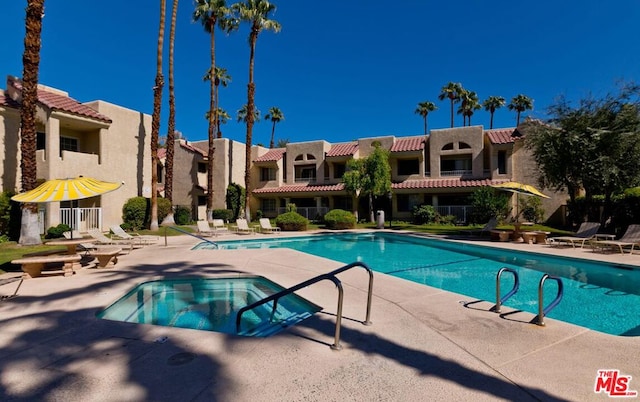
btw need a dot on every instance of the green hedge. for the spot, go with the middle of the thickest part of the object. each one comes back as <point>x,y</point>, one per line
<point>292,221</point>
<point>340,219</point>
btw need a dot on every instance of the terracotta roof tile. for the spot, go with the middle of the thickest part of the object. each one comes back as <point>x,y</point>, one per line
<point>408,144</point>
<point>272,155</point>
<point>344,149</point>
<point>443,183</point>
<point>63,103</point>
<point>162,152</point>
<point>300,188</point>
<point>8,102</point>
<point>501,136</point>
<point>191,148</point>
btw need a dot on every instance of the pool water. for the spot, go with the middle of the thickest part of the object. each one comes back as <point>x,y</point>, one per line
<point>210,304</point>
<point>600,296</point>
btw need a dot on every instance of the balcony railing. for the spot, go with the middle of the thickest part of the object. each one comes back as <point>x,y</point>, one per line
<point>310,180</point>
<point>456,172</point>
<point>81,219</point>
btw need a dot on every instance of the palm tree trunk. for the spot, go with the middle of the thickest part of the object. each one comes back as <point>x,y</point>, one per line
<point>251,89</point>
<point>451,99</point>
<point>171,126</point>
<point>29,229</point>
<point>155,120</point>
<point>212,118</point>
<point>273,131</point>
<point>425,125</point>
<point>491,121</point>
<point>517,118</point>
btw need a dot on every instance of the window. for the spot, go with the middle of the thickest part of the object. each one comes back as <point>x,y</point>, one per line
<point>41,141</point>
<point>305,173</point>
<point>68,144</point>
<point>299,157</point>
<point>268,205</point>
<point>408,167</point>
<point>340,202</point>
<point>463,145</point>
<point>406,202</point>
<point>202,167</point>
<point>502,162</point>
<point>311,157</point>
<point>267,174</point>
<point>448,147</point>
<point>338,170</point>
<point>202,200</point>
<point>457,164</point>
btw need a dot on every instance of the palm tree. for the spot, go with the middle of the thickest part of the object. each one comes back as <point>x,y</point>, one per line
<point>423,109</point>
<point>155,120</point>
<point>520,103</point>
<point>282,143</point>
<point>491,104</point>
<point>220,77</point>
<point>452,92</point>
<point>212,13</point>
<point>29,228</point>
<point>256,12</point>
<point>223,118</point>
<point>171,125</point>
<point>275,115</point>
<point>468,104</point>
<point>242,114</point>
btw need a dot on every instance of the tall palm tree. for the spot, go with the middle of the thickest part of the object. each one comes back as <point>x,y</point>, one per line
<point>256,12</point>
<point>423,109</point>
<point>491,104</point>
<point>452,92</point>
<point>276,116</point>
<point>223,118</point>
<point>469,103</point>
<point>155,119</point>
<point>220,77</point>
<point>520,103</point>
<point>212,13</point>
<point>171,125</point>
<point>244,117</point>
<point>29,229</point>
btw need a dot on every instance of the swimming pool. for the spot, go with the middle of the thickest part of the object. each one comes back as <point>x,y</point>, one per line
<point>603,297</point>
<point>210,304</point>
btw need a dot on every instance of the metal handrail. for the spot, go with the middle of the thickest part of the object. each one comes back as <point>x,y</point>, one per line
<point>187,233</point>
<point>543,311</point>
<point>516,286</point>
<point>331,276</point>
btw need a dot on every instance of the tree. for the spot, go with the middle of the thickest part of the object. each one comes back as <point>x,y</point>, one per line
<point>452,92</point>
<point>155,120</point>
<point>171,125</point>
<point>594,146</point>
<point>423,109</point>
<point>468,105</point>
<point>369,176</point>
<point>223,118</point>
<point>256,12</point>
<point>212,13</point>
<point>491,104</point>
<point>275,115</point>
<point>520,103</point>
<point>282,143</point>
<point>220,77</point>
<point>243,116</point>
<point>29,228</point>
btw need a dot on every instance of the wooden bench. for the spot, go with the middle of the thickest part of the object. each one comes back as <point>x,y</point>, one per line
<point>106,256</point>
<point>32,266</point>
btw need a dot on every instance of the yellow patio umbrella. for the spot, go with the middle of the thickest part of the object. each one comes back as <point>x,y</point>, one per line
<point>519,188</point>
<point>66,190</point>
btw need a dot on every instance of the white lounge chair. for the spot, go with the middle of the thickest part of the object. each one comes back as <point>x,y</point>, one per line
<point>243,227</point>
<point>219,226</point>
<point>204,229</point>
<point>265,226</point>
<point>486,229</point>
<point>99,238</point>
<point>120,234</point>
<point>586,232</point>
<point>630,238</point>
<point>86,247</point>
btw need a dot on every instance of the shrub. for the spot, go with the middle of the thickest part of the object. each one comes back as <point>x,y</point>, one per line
<point>226,215</point>
<point>488,203</point>
<point>531,208</point>
<point>259,214</point>
<point>424,214</point>
<point>292,221</point>
<point>340,219</point>
<point>235,199</point>
<point>135,213</point>
<point>446,219</point>
<point>164,207</point>
<point>55,232</point>
<point>291,207</point>
<point>182,215</point>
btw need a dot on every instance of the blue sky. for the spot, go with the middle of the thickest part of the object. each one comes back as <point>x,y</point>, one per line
<point>339,70</point>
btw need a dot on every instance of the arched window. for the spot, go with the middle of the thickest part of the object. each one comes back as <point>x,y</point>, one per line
<point>463,145</point>
<point>299,157</point>
<point>448,147</point>
<point>311,157</point>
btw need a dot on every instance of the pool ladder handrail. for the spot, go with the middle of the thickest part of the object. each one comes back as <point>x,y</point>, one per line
<point>331,276</point>
<point>542,311</point>
<point>187,233</point>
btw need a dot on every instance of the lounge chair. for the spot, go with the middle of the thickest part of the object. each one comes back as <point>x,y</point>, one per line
<point>86,247</point>
<point>219,226</point>
<point>630,238</point>
<point>120,234</point>
<point>204,229</point>
<point>243,227</point>
<point>586,232</point>
<point>99,238</point>
<point>486,229</point>
<point>265,226</point>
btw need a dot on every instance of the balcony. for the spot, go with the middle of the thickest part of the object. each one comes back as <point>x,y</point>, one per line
<point>460,172</point>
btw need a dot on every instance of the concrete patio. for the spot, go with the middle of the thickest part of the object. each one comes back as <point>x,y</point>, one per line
<point>424,343</point>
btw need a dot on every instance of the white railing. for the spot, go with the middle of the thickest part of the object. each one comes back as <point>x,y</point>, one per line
<point>461,212</point>
<point>310,213</point>
<point>456,172</point>
<point>81,219</point>
<point>310,180</point>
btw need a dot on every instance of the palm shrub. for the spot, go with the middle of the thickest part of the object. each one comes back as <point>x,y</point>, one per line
<point>424,214</point>
<point>340,219</point>
<point>292,221</point>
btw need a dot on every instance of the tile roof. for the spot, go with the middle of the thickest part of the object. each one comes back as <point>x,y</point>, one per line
<point>501,135</point>
<point>8,102</point>
<point>191,148</point>
<point>272,155</point>
<point>443,183</point>
<point>162,152</point>
<point>344,149</point>
<point>63,103</point>
<point>408,144</point>
<point>300,188</point>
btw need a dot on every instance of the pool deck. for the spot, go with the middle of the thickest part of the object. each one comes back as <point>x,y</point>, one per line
<point>424,344</point>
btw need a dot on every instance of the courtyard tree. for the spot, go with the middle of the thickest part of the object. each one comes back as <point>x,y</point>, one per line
<point>491,104</point>
<point>256,13</point>
<point>452,92</point>
<point>276,116</point>
<point>520,103</point>
<point>423,109</point>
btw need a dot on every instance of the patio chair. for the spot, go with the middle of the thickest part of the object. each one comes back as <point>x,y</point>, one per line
<point>219,226</point>
<point>86,247</point>
<point>204,229</point>
<point>265,226</point>
<point>242,227</point>
<point>143,240</point>
<point>630,238</point>
<point>486,229</point>
<point>586,232</point>
<point>100,239</point>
